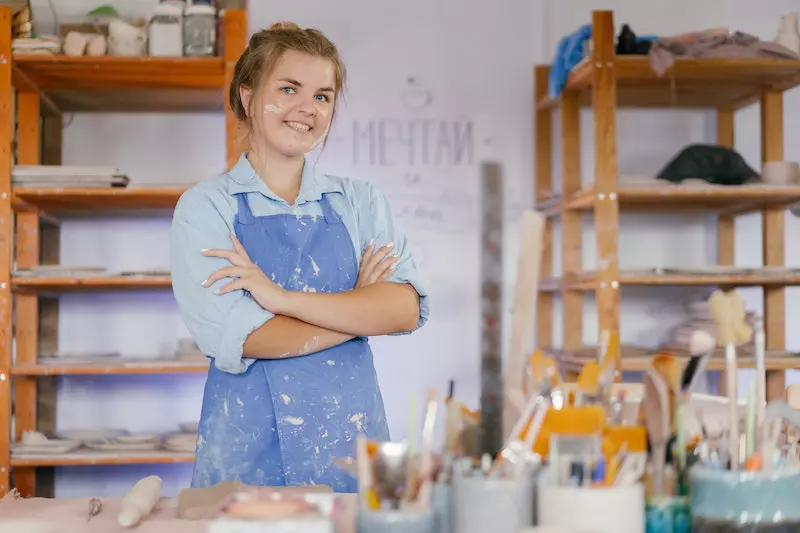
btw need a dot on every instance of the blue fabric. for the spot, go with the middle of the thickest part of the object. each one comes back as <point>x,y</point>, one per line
<point>569,53</point>
<point>284,420</point>
<point>204,218</point>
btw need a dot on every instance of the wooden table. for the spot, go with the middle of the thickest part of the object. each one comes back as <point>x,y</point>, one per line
<point>69,514</point>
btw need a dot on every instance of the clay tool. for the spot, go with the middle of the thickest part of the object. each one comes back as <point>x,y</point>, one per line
<point>587,384</point>
<point>411,466</point>
<point>514,450</point>
<point>750,422</point>
<point>95,506</point>
<point>760,393</point>
<point>701,347</point>
<point>656,407</point>
<point>390,469</point>
<point>727,312</point>
<point>364,474</point>
<point>426,467</point>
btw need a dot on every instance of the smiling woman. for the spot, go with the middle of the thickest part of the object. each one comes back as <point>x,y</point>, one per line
<point>281,273</point>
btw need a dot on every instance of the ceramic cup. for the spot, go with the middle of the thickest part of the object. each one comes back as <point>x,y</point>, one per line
<point>396,521</point>
<point>735,501</point>
<point>441,500</point>
<point>492,505</point>
<point>780,173</point>
<point>668,515</point>
<point>595,509</point>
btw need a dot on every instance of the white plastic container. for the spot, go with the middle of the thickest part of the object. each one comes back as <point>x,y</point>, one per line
<point>165,30</point>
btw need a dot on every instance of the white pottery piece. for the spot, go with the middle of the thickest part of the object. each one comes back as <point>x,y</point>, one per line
<point>125,39</point>
<point>788,34</point>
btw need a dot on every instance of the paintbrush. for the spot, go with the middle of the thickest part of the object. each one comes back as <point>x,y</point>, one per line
<point>759,341</point>
<point>588,382</point>
<point>701,347</point>
<point>726,313</point>
<point>656,408</point>
<point>426,452</point>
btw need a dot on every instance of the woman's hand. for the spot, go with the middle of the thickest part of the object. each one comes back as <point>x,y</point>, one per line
<point>375,266</point>
<point>249,276</point>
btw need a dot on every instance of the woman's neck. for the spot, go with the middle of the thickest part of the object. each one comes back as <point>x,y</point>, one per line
<point>283,175</point>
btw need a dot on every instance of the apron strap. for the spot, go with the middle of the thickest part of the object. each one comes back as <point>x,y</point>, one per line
<point>330,214</point>
<point>244,214</point>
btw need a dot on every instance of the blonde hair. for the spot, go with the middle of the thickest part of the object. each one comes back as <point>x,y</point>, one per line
<point>265,49</point>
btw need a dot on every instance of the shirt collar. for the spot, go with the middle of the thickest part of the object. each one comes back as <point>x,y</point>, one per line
<point>243,178</point>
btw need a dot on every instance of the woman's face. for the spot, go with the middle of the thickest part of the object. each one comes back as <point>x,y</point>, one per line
<point>292,108</point>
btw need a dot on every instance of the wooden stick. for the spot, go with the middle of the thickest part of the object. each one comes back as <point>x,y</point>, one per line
<point>522,320</point>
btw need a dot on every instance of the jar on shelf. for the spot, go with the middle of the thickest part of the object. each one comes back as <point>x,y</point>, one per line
<point>200,29</point>
<point>165,30</point>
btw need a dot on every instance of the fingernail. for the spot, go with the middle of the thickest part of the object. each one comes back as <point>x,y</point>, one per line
<point>370,243</point>
<point>205,283</point>
<point>204,250</point>
<point>390,245</point>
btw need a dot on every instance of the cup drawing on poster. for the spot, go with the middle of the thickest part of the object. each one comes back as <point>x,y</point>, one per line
<point>424,163</point>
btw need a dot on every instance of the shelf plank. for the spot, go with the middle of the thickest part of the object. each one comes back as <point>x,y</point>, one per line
<point>587,281</point>
<point>92,283</point>
<point>733,199</point>
<point>690,82</point>
<point>102,201</point>
<point>114,367</point>
<point>108,83</point>
<point>85,457</point>
<point>637,358</point>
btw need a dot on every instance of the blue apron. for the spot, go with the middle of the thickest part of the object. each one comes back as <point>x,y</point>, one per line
<point>284,420</point>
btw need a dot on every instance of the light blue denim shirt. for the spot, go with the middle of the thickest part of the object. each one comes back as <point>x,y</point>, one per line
<point>203,218</point>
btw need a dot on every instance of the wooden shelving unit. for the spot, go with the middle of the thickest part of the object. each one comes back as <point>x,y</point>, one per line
<point>34,91</point>
<point>605,82</point>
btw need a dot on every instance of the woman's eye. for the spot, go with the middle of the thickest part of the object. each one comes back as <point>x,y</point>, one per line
<point>322,98</point>
<point>287,90</point>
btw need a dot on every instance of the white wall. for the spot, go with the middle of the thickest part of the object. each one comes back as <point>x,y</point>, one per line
<point>475,60</point>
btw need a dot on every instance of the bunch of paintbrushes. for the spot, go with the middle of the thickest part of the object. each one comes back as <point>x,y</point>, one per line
<point>588,410</point>
<point>392,475</point>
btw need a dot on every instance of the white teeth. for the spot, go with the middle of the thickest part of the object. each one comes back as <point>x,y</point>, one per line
<point>302,128</point>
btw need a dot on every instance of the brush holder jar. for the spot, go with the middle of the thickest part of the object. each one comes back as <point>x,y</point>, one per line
<point>597,509</point>
<point>396,521</point>
<point>492,505</point>
<point>734,501</point>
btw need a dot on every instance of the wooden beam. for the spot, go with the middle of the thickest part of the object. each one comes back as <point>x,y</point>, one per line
<point>726,224</point>
<point>543,189</point>
<point>571,300</point>
<point>6,243</point>
<point>235,43</point>
<point>606,214</point>
<point>773,240</point>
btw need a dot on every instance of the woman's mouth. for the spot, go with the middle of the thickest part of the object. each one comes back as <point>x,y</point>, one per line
<point>299,127</point>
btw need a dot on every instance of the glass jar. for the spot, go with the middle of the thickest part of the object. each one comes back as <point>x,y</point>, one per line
<point>165,30</point>
<point>200,29</point>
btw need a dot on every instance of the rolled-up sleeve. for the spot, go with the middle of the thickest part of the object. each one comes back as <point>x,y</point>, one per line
<point>219,324</point>
<point>377,223</point>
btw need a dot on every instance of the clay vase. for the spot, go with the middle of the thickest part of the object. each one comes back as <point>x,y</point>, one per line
<point>788,35</point>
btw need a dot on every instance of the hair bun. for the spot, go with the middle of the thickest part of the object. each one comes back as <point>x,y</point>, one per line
<point>284,25</point>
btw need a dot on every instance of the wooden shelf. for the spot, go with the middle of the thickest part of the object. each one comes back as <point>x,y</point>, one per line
<point>637,359</point>
<point>91,283</point>
<point>721,199</point>
<point>114,367</point>
<point>95,458</point>
<point>588,281</point>
<point>36,93</point>
<point>102,201</point>
<point>690,83</point>
<point>107,83</point>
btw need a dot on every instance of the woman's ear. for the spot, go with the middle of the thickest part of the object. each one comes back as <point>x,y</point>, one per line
<point>245,94</point>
